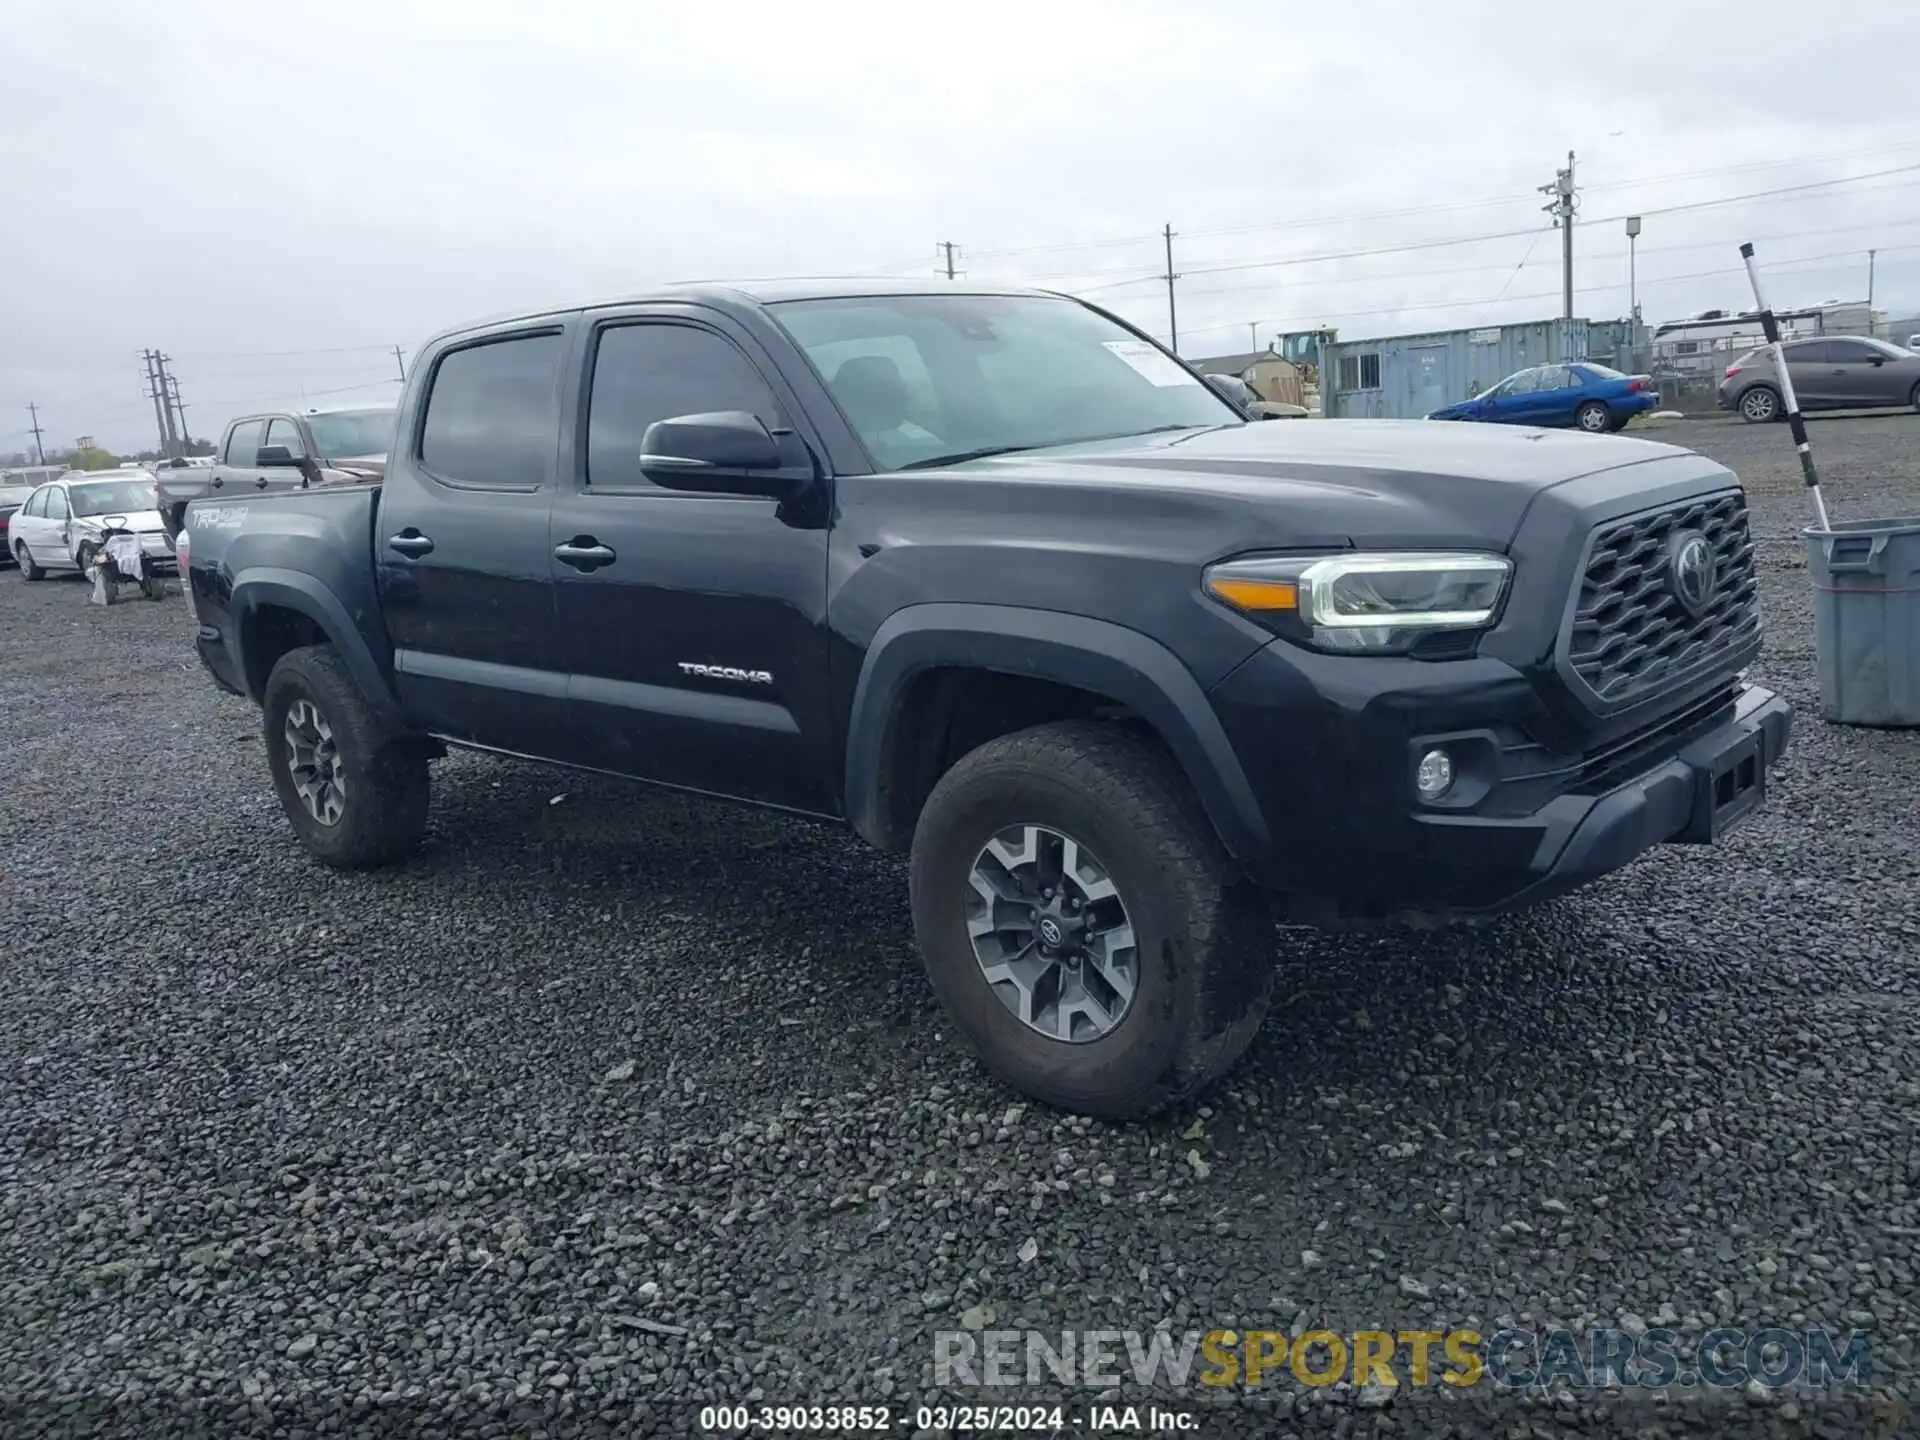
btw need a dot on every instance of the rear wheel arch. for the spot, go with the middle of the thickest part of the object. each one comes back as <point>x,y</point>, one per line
<point>940,680</point>
<point>281,611</point>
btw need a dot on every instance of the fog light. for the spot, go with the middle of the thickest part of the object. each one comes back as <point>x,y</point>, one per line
<point>1435,775</point>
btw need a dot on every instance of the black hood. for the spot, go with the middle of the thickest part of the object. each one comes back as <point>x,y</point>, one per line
<point>1333,482</point>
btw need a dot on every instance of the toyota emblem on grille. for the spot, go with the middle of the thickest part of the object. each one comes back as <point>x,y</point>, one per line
<point>1691,571</point>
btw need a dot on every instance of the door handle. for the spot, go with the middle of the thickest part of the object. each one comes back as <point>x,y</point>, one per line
<point>410,543</point>
<point>261,483</point>
<point>583,552</point>
<point>216,483</point>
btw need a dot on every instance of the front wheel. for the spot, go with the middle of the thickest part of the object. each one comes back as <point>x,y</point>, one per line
<point>1914,399</point>
<point>83,557</point>
<point>352,782</point>
<point>1594,418</point>
<point>1760,405</point>
<point>1080,924</point>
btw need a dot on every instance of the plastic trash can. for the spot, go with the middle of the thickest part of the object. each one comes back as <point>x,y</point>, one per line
<point>1866,616</point>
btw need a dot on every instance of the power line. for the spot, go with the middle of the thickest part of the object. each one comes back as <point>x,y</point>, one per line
<point>1137,274</point>
<point>1407,247</point>
<point>1437,207</point>
<point>1539,234</point>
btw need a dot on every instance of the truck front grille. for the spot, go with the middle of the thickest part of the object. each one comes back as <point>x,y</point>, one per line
<point>1632,633</point>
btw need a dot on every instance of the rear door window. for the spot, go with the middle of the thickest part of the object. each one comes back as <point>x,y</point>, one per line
<point>492,419</point>
<point>243,445</point>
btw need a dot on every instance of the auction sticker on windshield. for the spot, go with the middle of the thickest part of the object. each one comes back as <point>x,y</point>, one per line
<point>1156,365</point>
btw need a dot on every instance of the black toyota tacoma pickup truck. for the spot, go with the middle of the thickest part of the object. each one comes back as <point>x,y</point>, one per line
<point>996,580</point>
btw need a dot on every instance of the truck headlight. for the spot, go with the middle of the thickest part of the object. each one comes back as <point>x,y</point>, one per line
<point>1365,602</point>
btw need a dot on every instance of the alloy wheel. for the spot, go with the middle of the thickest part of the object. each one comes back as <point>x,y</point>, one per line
<point>1757,405</point>
<point>1052,934</point>
<point>314,763</point>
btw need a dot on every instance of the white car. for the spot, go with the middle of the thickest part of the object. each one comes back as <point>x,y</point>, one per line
<point>66,520</point>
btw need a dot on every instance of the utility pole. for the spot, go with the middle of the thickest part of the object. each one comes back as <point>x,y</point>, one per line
<point>180,409</point>
<point>1633,279</point>
<point>163,397</point>
<point>1561,207</point>
<point>156,391</point>
<point>39,450</point>
<point>1870,257</point>
<point>947,249</point>
<point>1173,322</point>
<point>400,364</point>
<point>166,403</point>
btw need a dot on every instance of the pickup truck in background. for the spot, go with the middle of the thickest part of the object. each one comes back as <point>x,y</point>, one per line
<point>994,579</point>
<point>280,451</point>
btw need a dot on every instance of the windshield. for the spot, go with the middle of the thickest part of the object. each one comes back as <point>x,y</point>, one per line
<point>927,378</point>
<point>347,433</point>
<point>111,497</point>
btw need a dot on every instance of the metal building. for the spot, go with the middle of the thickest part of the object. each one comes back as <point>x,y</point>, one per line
<point>1405,377</point>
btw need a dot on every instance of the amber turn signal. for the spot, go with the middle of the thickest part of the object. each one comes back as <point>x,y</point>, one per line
<point>1257,595</point>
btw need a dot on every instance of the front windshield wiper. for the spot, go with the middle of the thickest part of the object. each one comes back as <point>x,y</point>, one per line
<point>960,457</point>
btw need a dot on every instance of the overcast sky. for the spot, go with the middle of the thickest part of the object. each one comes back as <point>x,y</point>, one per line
<point>231,182</point>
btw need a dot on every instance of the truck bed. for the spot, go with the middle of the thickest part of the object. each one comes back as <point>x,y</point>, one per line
<point>316,544</point>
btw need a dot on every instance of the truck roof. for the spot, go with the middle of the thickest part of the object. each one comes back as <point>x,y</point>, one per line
<point>737,294</point>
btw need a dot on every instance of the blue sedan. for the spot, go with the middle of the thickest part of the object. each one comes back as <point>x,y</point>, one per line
<point>1586,396</point>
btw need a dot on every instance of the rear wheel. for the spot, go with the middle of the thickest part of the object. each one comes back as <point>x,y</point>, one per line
<point>353,783</point>
<point>1760,405</point>
<point>1594,418</point>
<point>1081,925</point>
<point>24,557</point>
<point>1914,399</point>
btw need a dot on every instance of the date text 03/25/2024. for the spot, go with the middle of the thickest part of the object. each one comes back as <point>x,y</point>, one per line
<point>945,1419</point>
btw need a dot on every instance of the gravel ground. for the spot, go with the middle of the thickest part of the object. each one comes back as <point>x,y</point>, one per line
<point>609,1105</point>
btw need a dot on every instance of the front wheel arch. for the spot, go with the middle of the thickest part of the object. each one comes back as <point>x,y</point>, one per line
<point>1110,663</point>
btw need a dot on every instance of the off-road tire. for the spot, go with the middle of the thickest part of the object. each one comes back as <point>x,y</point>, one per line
<point>1205,938</point>
<point>29,568</point>
<point>385,811</point>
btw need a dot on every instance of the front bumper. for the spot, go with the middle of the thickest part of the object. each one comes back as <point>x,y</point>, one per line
<point>1329,746</point>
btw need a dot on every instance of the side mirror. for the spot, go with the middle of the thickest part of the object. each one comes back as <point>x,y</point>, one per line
<point>1236,392</point>
<point>275,457</point>
<point>727,452</point>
